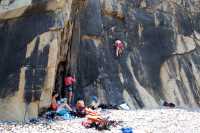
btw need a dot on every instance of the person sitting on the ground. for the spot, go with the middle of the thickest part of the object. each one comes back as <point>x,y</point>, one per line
<point>64,111</point>
<point>57,105</point>
<point>63,104</point>
<point>59,109</point>
<point>119,47</point>
<point>69,81</point>
<point>94,119</point>
<point>82,110</point>
<point>92,116</point>
<point>54,104</point>
<point>93,103</point>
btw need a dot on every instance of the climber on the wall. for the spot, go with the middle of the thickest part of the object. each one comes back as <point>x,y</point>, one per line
<point>69,81</point>
<point>119,47</point>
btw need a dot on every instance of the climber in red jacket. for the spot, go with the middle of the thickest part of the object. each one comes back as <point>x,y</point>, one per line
<point>69,81</point>
<point>119,47</point>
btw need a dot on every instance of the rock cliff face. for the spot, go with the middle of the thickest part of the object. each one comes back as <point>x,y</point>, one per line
<point>42,40</point>
<point>34,39</point>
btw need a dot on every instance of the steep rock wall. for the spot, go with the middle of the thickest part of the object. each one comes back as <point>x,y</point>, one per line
<point>160,61</point>
<point>42,38</point>
<point>34,39</point>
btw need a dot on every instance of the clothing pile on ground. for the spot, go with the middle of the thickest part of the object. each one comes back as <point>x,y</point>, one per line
<point>100,124</point>
<point>168,104</point>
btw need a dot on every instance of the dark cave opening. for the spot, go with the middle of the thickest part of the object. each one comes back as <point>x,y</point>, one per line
<point>59,81</point>
<point>59,87</point>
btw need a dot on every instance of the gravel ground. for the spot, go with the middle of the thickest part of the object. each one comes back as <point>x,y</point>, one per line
<point>142,121</point>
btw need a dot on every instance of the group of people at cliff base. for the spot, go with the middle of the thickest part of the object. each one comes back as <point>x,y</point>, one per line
<point>65,110</point>
<point>61,110</point>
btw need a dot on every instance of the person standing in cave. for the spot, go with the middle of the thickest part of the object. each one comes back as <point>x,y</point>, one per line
<point>69,82</point>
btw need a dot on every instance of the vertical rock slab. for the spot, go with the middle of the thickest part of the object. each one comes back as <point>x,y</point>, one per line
<point>154,32</point>
<point>31,41</point>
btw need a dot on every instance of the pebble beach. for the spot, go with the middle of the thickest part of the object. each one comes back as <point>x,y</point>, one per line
<point>141,121</point>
